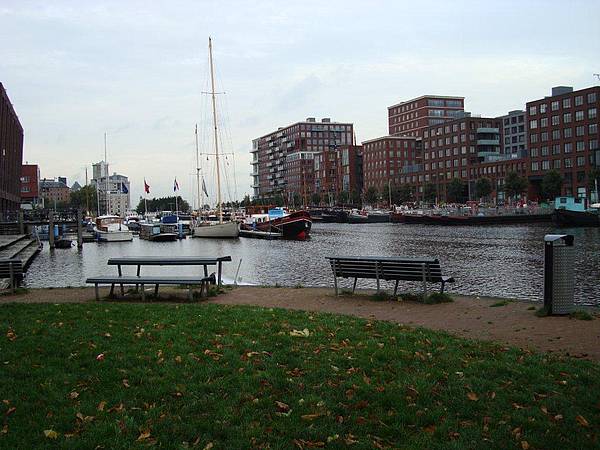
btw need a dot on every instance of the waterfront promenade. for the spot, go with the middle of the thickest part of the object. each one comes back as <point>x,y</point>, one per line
<point>512,323</point>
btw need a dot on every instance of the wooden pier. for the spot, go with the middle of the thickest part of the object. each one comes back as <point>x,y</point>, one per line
<point>20,246</point>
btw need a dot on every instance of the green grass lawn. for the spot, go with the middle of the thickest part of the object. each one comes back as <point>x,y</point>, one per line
<point>209,376</point>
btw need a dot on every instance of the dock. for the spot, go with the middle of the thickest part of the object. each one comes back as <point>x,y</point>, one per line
<point>20,246</point>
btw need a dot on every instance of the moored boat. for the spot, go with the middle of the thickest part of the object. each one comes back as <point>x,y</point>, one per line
<point>356,216</point>
<point>153,232</point>
<point>573,212</point>
<point>295,225</point>
<point>111,229</point>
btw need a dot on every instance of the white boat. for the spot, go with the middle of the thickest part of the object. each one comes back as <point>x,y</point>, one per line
<point>220,229</point>
<point>111,229</point>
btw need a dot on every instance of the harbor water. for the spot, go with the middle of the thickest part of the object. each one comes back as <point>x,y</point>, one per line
<point>502,261</point>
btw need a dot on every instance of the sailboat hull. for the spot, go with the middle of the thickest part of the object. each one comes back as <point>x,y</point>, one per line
<point>218,230</point>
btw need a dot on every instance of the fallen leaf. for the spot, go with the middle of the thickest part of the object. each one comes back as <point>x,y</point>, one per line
<point>429,429</point>
<point>144,435</point>
<point>4,429</point>
<point>208,446</point>
<point>126,382</point>
<point>300,333</point>
<point>101,405</point>
<point>283,407</point>
<point>472,396</point>
<point>582,421</point>
<point>10,410</point>
<point>51,434</point>
<point>178,359</point>
<point>524,445</point>
<point>310,416</point>
<point>73,395</point>
<point>100,357</point>
<point>11,335</point>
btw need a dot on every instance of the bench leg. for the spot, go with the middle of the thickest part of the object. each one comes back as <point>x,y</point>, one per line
<point>156,290</point>
<point>138,274</point>
<point>112,290</point>
<point>424,279</point>
<point>97,292</point>
<point>442,290</point>
<point>143,293</point>
<point>190,294</point>
<point>335,284</point>
<point>396,288</point>
<point>354,286</point>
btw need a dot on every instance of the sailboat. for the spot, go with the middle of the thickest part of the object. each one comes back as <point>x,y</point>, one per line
<point>221,229</point>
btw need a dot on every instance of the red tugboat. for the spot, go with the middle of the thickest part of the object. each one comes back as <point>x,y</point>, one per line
<point>295,225</point>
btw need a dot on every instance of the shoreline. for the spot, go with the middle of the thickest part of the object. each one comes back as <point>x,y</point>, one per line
<point>508,322</point>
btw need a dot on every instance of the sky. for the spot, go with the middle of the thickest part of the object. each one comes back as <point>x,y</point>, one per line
<point>137,70</point>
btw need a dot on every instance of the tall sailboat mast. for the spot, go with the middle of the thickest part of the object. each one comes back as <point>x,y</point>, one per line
<point>214,111</point>
<point>200,196</point>
<point>106,185</point>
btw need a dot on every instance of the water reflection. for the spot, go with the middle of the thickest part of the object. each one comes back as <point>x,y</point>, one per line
<point>494,261</point>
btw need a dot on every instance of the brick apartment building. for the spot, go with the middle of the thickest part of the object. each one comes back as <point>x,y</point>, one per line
<point>30,184</point>
<point>413,117</point>
<point>338,170</point>
<point>54,192</point>
<point>514,133</point>
<point>391,160</point>
<point>283,160</point>
<point>11,155</point>
<point>563,135</point>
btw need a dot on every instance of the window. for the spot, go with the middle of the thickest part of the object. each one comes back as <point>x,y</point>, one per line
<point>545,165</point>
<point>556,164</point>
<point>555,149</point>
<point>592,128</point>
<point>543,108</point>
<point>591,97</point>
<point>593,144</point>
<point>592,113</point>
<point>568,132</point>
<point>532,110</point>
<point>535,152</point>
<point>578,115</point>
<point>453,103</point>
<point>544,150</point>
<point>579,100</point>
<point>555,120</point>
<point>566,103</point>
<point>533,138</point>
<point>568,147</point>
<point>544,136</point>
<point>580,131</point>
<point>535,166</point>
<point>532,124</point>
<point>543,122</point>
<point>580,161</point>
<point>555,105</point>
<point>555,134</point>
<point>580,146</point>
<point>568,163</point>
<point>567,118</point>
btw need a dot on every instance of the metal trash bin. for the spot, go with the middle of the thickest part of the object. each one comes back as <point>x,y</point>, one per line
<point>559,273</point>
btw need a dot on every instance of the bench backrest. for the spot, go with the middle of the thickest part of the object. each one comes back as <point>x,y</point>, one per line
<point>165,261</point>
<point>5,269</point>
<point>406,269</point>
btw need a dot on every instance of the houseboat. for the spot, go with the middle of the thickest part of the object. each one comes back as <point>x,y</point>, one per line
<point>574,212</point>
<point>153,232</point>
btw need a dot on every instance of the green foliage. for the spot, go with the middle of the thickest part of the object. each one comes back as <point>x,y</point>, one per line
<point>500,303</point>
<point>412,297</point>
<point>483,187</point>
<point>429,192</point>
<point>297,199</point>
<point>246,201</point>
<point>581,315</point>
<point>551,185</point>
<point>163,204</point>
<point>85,198</point>
<point>315,199</point>
<point>404,194</point>
<point>179,376</point>
<point>371,195</point>
<point>381,296</point>
<point>437,297</point>
<point>455,191</point>
<point>278,200</point>
<point>514,185</point>
<point>355,198</point>
<point>542,312</point>
<point>343,197</point>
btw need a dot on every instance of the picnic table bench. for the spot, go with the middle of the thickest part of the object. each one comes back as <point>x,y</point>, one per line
<point>11,268</point>
<point>396,269</point>
<point>202,280</point>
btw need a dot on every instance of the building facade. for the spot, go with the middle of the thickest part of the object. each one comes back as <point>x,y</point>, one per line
<point>563,136</point>
<point>11,155</point>
<point>30,185</point>
<point>413,117</point>
<point>283,160</point>
<point>391,161</point>
<point>113,191</point>
<point>338,170</point>
<point>514,134</point>
<point>54,192</point>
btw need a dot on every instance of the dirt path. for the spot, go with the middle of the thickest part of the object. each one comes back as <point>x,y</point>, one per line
<point>512,324</point>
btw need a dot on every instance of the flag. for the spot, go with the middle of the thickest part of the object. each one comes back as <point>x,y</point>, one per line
<point>146,187</point>
<point>204,187</point>
<point>175,185</point>
<point>124,189</point>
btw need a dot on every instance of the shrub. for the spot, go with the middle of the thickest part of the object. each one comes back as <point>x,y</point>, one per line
<point>437,297</point>
<point>581,315</point>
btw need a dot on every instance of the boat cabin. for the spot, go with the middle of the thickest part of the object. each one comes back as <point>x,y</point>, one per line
<point>571,204</point>
<point>109,223</point>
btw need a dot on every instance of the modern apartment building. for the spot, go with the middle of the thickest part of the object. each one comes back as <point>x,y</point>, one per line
<point>113,190</point>
<point>283,160</point>
<point>514,132</point>
<point>11,155</point>
<point>413,117</point>
<point>563,135</point>
<point>390,160</point>
<point>457,148</point>
<point>338,170</point>
<point>30,185</point>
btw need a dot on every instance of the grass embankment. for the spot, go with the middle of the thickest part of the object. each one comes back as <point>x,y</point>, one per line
<point>241,377</point>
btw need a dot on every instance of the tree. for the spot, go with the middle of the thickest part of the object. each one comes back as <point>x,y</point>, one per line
<point>371,195</point>
<point>297,199</point>
<point>246,201</point>
<point>316,198</point>
<point>343,197</point>
<point>162,204</point>
<point>429,192</point>
<point>514,185</point>
<point>483,187</point>
<point>551,185</point>
<point>278,200</point>
<point>84,198</point>
<point>455,191</point>
<point>404,193</point>
<point>355,198</point>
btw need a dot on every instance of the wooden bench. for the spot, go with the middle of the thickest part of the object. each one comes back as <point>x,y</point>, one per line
<point>203,282</point>
<point>388,269</point>
<point>12,269</point>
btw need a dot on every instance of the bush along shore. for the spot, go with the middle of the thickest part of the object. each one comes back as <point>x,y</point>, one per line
<point>177,375</point>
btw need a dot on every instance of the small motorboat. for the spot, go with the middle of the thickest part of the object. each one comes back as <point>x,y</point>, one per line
<point>63,243</point>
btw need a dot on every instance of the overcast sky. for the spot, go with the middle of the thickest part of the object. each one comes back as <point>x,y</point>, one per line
<point>136,70</point>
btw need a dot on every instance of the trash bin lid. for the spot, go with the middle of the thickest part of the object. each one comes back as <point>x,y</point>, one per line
<point>567,238</point>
